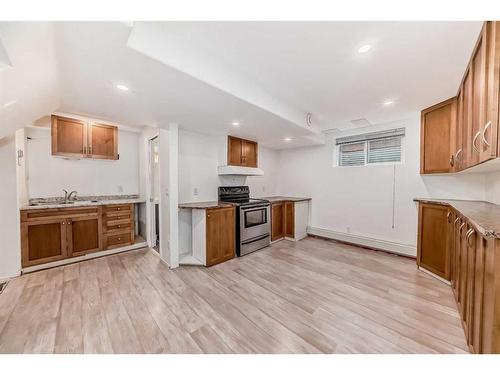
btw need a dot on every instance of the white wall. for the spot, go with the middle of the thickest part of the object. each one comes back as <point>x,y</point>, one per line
<point>48,175</point>
<point>199,157</point>
<point>492,187</point>
<point>10,247</point>
<point>358,200</point>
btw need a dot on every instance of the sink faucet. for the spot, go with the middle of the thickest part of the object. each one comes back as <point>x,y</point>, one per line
<point>70,196</point>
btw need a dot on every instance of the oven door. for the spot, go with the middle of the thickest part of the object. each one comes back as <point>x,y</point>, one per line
<point>254,222</point>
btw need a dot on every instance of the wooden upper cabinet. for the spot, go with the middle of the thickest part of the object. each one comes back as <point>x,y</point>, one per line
<point>83,139</point>
<point>103,141</point>
<point>69,137</point>
<point>242,152</point>
<point>220,235</point>
<point>438,126</point>
<point>434,236</point>
<point>474,131</point>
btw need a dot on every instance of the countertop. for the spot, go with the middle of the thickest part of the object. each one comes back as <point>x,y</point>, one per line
<point>205,205</point>
<point>484,216</point>
<point>279,198</point>
<point>83,204</point>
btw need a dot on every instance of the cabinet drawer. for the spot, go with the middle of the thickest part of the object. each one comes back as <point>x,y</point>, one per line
<point>118,208</point>
<point>118,239</point>
<point>118,215</point>
<point>127,225</point>
<point>29,215</point>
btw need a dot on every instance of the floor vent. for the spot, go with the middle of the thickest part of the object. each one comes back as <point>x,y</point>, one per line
<point>2,286</point>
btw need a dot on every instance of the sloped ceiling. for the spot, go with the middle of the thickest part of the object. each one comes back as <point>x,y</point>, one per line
<point>29,82</point>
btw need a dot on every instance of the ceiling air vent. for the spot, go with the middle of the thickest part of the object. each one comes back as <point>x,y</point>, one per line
<point>360,123</point>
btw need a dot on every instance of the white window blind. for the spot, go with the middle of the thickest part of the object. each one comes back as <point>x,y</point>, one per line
<point>371,148</point>
<point>384,150</point>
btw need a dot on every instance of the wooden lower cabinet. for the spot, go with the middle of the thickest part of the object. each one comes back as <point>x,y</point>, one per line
<point>48,235</point>
<point>474,273</point>
<point>434,239</point>
<point>277,221</point>
<point>282,220</point>
<point>118,225</point>
<point>220,235</point>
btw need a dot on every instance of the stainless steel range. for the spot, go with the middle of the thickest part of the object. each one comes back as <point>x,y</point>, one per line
<point>253,226</point>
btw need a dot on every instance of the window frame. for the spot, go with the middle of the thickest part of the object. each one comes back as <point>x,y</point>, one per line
<point>366,163</point>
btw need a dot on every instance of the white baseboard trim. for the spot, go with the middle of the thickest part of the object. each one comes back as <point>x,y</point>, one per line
<point>389,246</point>
<point>98,254</point>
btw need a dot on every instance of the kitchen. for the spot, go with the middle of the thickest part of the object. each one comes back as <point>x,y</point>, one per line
<point>237,221</point>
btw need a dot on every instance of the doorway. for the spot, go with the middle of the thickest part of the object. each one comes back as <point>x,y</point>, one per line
<point>154,184</point>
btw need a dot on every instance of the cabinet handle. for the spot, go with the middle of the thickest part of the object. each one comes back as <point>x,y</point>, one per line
<point>63,223</point>
<point>448,216</point>
<point>456,221</point>
<point>119,238</point>
<point>452,160</point>
<point>118,208</point>
<point>484,131</point>
<point>461,227</point>
<point>470,232</point>
<point>90,150</point>
<point>119,226</point>
<point>474,142</point>
<point>459,152</point>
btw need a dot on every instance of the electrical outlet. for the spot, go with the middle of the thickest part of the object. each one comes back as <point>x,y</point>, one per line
<point>195,191</point>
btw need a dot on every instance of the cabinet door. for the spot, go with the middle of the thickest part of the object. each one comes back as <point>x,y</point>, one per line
<point>489,129</point>
<point>477,308</point>
<point>69,137</point>
<point>220,235</point>
<point>457,241</point>
<point>250,153</point>
<point>470,283</point>
<point>43,241</point>
<point>278,221</point>
<point>437,138</point>
<point>103,142</point>
<point>234,151</point>
<point>84,235</point>
<point>478,98</point>
<point>290,219</point>
<point>467,135</point>
<point>433,249</point>
<point>457,159</point>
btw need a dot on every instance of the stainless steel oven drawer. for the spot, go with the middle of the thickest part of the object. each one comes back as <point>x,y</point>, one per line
<point>255,244</point>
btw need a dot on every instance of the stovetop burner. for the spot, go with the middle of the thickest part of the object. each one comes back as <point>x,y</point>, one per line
<point>239,195</point>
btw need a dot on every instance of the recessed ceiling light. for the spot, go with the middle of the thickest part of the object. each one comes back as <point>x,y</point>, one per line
<point>121,87</point>
<point>365,48</point>
<point>388,102</point>
<point>287,139</point>
<point>235,123</point>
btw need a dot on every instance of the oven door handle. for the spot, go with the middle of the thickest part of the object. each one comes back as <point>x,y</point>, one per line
<point>246,208</point>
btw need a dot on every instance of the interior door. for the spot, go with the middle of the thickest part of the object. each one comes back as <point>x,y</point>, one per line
<point>69,137</point>
<point>84,235</point>
<point>43,241</point>
<point>102,142</point>
<point>234,151</point>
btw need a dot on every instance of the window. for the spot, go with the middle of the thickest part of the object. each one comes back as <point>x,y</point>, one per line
<point>371,148</point>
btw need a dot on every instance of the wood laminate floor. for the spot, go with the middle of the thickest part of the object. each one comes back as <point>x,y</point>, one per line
<point>313,296</point>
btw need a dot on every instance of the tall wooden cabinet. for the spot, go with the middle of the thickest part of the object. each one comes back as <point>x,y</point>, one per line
<point>242,152</point>
<point>464,129</point>
<point>76,138</point>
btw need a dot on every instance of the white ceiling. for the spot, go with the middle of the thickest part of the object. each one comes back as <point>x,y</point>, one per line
<point>315,66</point>
<point>204,75</point>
